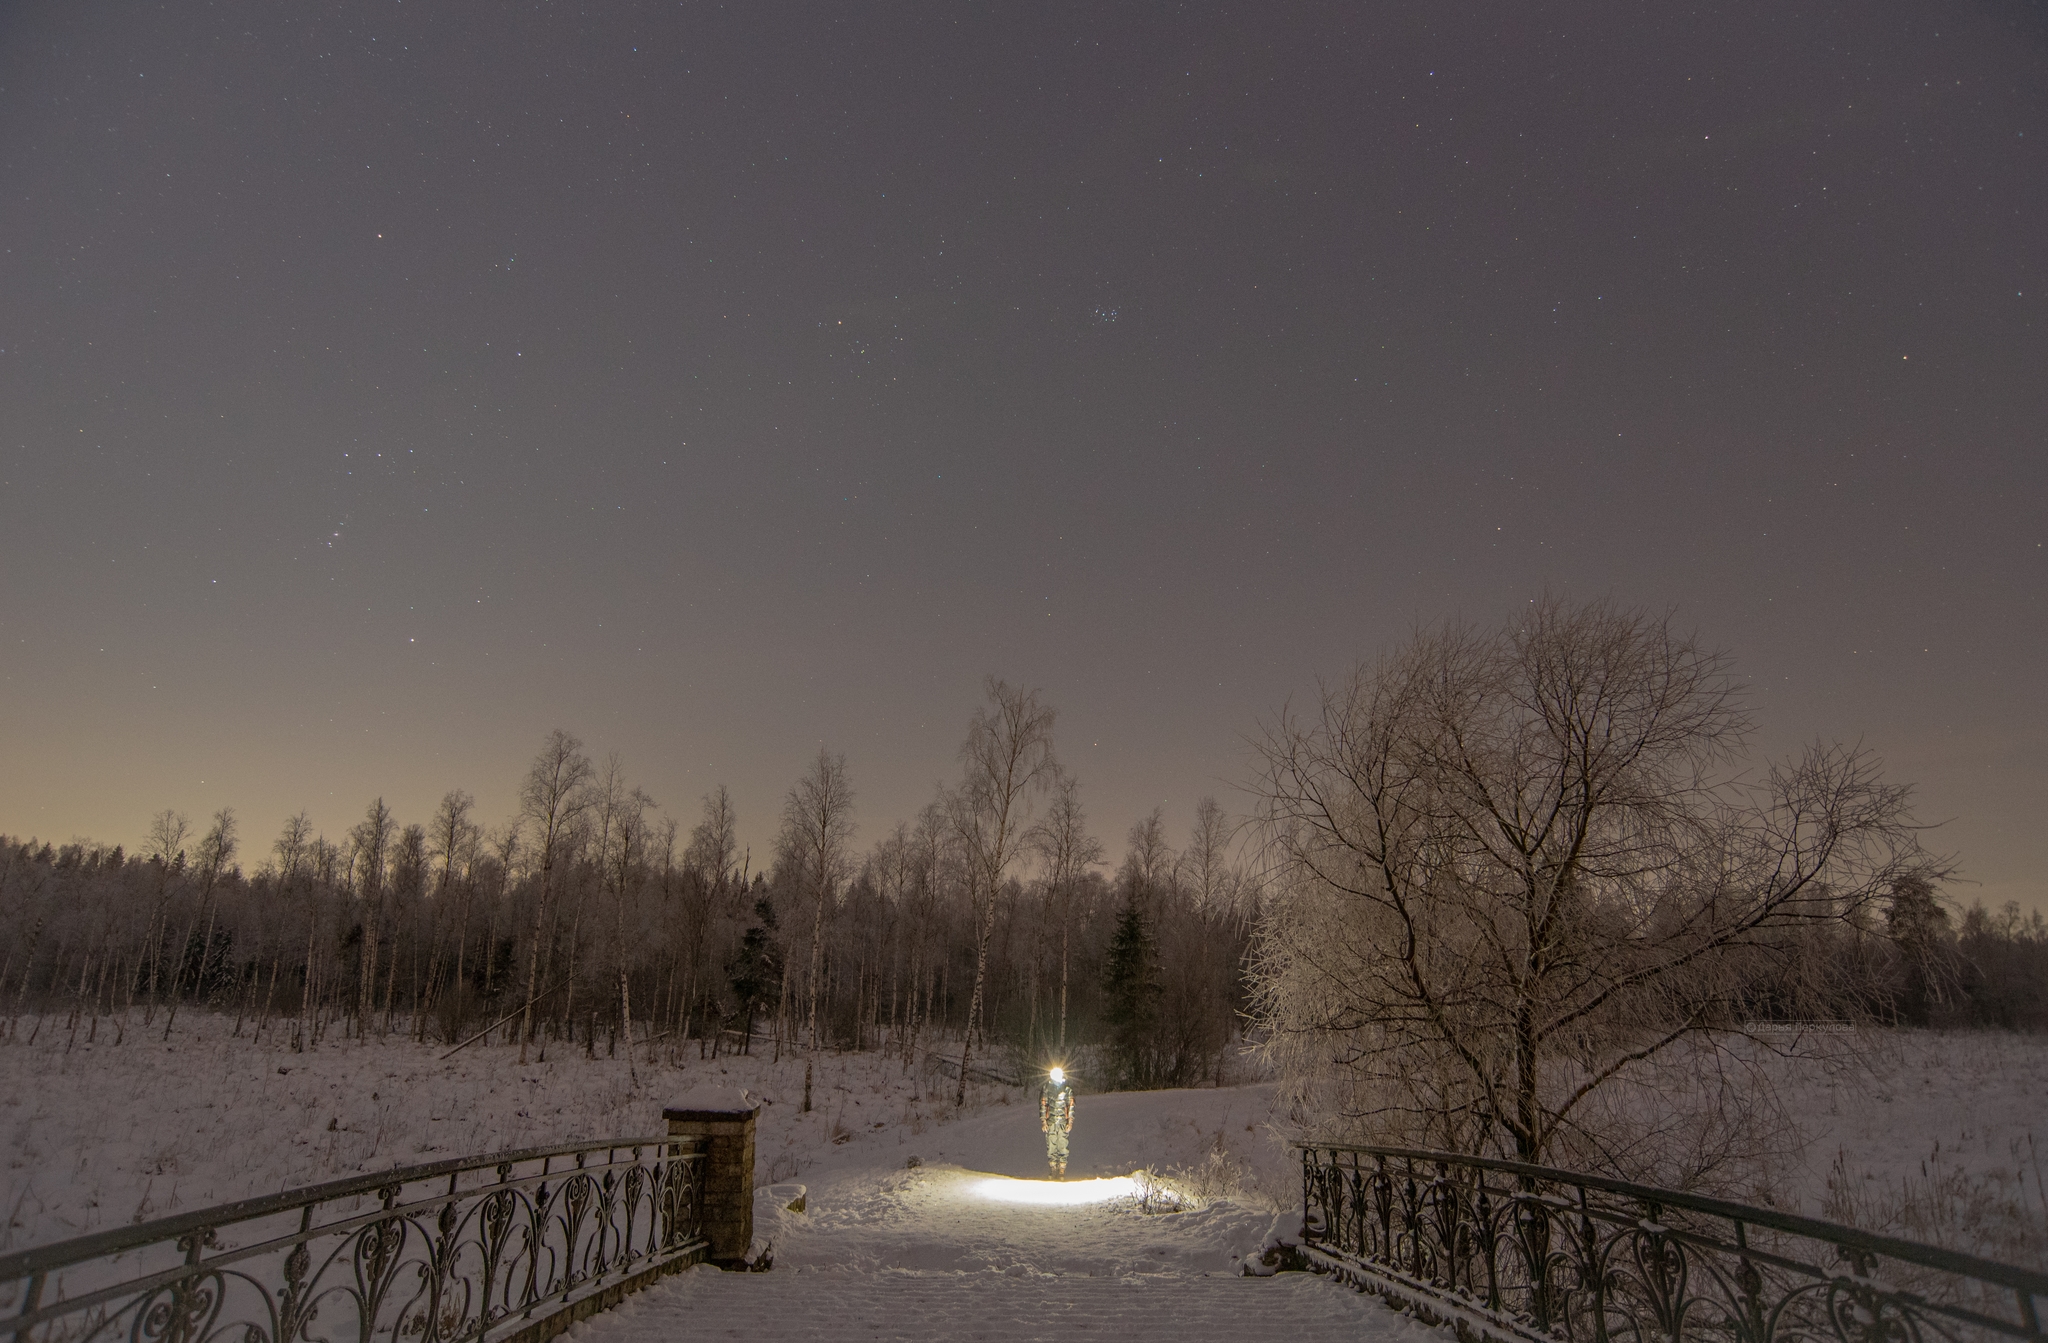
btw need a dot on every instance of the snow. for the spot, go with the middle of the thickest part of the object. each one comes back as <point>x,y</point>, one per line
<point>913,1220</point>
<point>101,1135</point>
<point>1977,1097</point>
<point>974,1242</point>
<point>715,1100</point>
<point>841,1306</point>
<point>1934,1136</point>
<point>1170,1192</point>
<point>978,1200</point>
<point>1064,1193</point>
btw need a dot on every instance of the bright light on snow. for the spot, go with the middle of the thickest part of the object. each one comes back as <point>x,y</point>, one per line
<point>1005,1190</point>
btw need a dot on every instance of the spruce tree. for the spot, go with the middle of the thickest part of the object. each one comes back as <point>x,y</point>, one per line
<point>1130,984</point>
<point>756,971</point>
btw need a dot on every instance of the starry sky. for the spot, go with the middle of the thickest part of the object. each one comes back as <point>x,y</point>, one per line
<point>385,384</point>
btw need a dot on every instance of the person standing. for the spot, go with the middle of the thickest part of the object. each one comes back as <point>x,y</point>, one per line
<point>1056,1120</point>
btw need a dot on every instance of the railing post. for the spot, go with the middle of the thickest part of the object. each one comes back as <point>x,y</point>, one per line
<point>724,1120</point>
<point>1308,1207</point>
<point>1592,1268</point>
<point>1411,1216</point>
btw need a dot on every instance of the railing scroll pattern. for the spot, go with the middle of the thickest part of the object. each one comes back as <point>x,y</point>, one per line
<point>492,1248</point>
<point>1506,1251</point>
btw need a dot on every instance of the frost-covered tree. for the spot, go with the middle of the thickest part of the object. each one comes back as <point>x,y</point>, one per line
<point>1520,876</point>
<point>1068,851</point>
<point>369,850</point>
<point>553,800</point>
<point>1006,761</point>
<point>817,830</point>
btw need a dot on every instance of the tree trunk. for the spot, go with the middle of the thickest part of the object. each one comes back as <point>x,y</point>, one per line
<point>988,928</point>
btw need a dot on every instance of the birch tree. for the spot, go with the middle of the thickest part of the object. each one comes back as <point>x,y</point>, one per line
<point>554,798</point>
<point>624,858</point>
<point>165,850</point>
<point>712,880</point>
<point>817,832</point>
<point>455,839</point>
<point>293,851</point>
<point>1067,850</point>
<point>216,853</point>
<point>370,842</point>
<point>1007,759</point>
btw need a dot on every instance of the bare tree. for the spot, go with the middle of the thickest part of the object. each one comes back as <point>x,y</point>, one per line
<point>554,797</point>
<point>1518,873</point>
<point>408,888</point>
<point>608,802</point>
<point>622,824</point>
<point>507,852</point>
<point>165,850</point>
<point>927,857</point>
<point>712,880</point>
<point>371,845</point>
<point>714,841</point>
<point>294,852</point>
<point>216,852</point>
<point>1007,759</point>
<point>817,829</point>
<point>891,870</point>
<point>294,842</point>
<point>1205,863</point>
<point>1149,864</point>
<point>454,842</point>
<point>1067,850</point>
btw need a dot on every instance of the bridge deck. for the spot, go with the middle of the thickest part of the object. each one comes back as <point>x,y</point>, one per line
<point>843,1305</point>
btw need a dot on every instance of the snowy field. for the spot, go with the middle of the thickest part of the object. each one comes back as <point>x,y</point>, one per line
<point>103,1135</point>
<point>1930,1136</point>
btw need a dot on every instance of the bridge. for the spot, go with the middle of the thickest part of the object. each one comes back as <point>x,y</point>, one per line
<point>627,1235</point>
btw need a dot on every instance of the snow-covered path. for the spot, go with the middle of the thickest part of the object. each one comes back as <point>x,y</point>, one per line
<point>967,1245</point>
<point>842,1305</point>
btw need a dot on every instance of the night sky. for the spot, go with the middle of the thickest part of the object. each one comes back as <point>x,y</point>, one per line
<point>383,385</point>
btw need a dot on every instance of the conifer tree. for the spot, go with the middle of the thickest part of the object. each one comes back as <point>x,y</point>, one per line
<point>1130,988</point>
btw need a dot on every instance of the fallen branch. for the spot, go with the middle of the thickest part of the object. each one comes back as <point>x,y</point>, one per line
<point>499,1022</point>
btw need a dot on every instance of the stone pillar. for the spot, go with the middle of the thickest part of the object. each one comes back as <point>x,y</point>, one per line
<point>723,1120</point>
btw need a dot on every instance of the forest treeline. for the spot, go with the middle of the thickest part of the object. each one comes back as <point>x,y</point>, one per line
<point>991,930</point>
<point>987,929</point>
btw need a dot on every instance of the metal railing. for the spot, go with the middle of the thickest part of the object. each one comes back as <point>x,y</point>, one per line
<point>1511,1252</point>
<point>489,1249</point>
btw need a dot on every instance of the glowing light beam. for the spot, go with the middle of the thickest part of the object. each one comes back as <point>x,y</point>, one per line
<point>1055,1193</point>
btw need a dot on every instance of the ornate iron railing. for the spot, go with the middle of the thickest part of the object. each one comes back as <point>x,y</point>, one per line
<point>1506,1251</point>
<point>488,1249</point>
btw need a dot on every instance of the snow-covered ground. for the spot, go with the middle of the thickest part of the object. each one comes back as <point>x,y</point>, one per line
<point>844,1306</point>
<point>978,1198</point>
<point>918,1222</point>
<point>1936,1137</point>
<point>1931,1136</point>
<point>103,1135</point>
<point>973,1242</point>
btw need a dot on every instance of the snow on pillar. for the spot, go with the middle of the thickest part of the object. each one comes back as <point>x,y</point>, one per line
<point>722,1118</point>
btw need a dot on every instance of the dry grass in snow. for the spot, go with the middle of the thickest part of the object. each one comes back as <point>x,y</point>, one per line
<point>104,1135</point>
<point>1932,1136</point>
